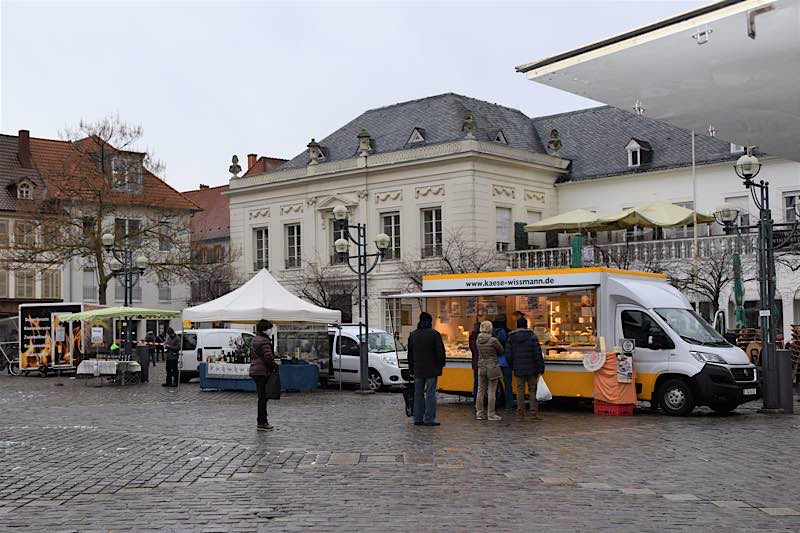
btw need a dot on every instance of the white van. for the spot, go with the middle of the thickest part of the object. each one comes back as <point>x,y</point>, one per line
<point>204,344</point>
<point>388,360</point>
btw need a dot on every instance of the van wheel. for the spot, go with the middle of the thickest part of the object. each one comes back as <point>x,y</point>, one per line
<point>374,380</point>
<point>676,397</point>
<point>724,407</point>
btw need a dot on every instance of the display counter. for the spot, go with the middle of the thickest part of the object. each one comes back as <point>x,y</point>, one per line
<point>295,376</point>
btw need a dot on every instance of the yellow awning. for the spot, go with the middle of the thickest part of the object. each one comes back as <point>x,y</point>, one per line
<point>654,214</point>
<point>578,219</point>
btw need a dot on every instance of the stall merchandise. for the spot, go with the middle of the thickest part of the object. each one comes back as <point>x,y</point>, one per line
<point>295,376</point>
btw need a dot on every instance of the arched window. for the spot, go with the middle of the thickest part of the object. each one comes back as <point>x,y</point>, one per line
<point>24,191</point>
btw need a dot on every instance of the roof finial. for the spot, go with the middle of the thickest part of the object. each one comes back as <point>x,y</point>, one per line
<point>364,143</point>
<point>315,153</point>
<point>469,126</point>
<point>554,144</point>
<point>235,168</point>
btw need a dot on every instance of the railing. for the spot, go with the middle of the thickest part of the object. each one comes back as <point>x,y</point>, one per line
<point>634,253</point>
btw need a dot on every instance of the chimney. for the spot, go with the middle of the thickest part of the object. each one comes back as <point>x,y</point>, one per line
<point>203,186</point>
<point>24,149</point>
<point>251,160</point>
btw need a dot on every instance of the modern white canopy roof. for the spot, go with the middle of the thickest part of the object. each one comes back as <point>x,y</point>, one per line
<point>261,297</point>
<point>731,67</point>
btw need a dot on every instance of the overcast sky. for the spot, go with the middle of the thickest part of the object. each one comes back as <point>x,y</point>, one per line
<point>210,79</point>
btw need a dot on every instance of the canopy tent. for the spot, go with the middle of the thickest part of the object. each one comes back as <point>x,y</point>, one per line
<point>655,214</point>
<point>577,219</point>
<point>261,297</point>
<point>119,312</point>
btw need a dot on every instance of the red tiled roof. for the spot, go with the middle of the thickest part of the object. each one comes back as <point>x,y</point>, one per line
<point>214,221</point>
<point>70,173</point>
<point>263,165</point>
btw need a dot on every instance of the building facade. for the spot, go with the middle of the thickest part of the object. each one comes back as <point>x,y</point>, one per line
<point>449,176</point>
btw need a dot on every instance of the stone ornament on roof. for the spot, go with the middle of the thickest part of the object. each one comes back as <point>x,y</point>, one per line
<point>469,127</point>
<point>315,153</point>
<point>235,168</point>
<point>364,143</point>
<point>554,144</point>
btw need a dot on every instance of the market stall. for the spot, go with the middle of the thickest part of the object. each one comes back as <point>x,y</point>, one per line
<point>301,337</point>
<point>119,368</point>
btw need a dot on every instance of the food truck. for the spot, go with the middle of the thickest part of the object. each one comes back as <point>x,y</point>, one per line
<point>680,361</point>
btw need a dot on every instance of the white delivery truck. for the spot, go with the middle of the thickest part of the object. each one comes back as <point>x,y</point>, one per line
<point>681,362</point>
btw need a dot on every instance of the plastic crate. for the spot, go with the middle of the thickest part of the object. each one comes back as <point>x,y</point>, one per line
<point>613,409</point>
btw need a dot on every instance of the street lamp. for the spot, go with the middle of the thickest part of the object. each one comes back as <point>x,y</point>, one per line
<point>129,270</point>
<point>747,168</point>
<point>363,267</point>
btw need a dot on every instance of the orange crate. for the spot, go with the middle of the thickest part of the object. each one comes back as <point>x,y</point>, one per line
<point>613,409</point>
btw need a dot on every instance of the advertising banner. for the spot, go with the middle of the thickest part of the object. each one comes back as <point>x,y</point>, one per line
<point>46,342</point>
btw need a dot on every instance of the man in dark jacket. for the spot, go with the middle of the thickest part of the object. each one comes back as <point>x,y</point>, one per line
<point>262,365</point>
<point>524,355</point>
<point>426,359</point>
<point>172,345</point>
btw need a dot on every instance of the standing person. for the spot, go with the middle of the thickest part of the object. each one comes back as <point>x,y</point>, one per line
<point>262,365</point>
<point>525,357</point>
<point>488,370</point>
<point>473,348</point>
<point>426,359</point>
<point>172,345</point>
<point>500,332</point>
<point>150,340</point>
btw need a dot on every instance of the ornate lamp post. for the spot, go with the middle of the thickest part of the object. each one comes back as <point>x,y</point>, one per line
<point>747,168</point>
<point>129,270</point>
<point>362,268</point>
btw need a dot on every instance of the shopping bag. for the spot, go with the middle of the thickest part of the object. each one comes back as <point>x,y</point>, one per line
<point>543,391</point>
<point>274,386</point>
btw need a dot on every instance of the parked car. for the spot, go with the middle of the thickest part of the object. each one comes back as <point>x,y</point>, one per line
<point>388,359</point>
<point>206,344</point>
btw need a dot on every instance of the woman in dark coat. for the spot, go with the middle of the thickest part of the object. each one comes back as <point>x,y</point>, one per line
<point>262,365</point>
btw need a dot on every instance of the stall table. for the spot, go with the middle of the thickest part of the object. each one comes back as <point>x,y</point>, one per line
<point>232,376</point>
<point>122,372</point>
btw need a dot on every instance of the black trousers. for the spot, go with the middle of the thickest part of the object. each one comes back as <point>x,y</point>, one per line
<point>172,371</point>
<point>261,389</point>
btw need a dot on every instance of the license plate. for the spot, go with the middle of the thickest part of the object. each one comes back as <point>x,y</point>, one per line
<point>749,392</point>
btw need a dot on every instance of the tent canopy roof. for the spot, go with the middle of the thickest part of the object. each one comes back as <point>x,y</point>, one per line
<point>261,297</point>
<point>119,312</point>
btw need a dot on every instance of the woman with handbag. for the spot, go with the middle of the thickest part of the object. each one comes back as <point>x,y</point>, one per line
<point>262,369</point>
<point>489,372</point>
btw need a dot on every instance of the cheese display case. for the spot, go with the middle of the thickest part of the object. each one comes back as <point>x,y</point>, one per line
<point>564,321</point>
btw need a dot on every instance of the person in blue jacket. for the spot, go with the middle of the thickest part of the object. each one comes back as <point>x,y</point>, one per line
<point>500,332</point>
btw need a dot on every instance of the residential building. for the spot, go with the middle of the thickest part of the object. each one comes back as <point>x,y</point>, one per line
<point>211,242</point>
<point>85,189</point>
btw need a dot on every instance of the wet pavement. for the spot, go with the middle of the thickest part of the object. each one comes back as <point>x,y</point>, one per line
<point>75,457</point>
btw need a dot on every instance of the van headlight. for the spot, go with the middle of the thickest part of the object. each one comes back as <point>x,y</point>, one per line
<point>390,360</point>
<point>705,357</point>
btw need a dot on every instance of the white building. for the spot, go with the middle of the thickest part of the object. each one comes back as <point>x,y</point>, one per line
<point>424,170</point>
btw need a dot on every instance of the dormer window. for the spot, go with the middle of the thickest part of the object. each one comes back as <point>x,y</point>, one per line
<point>24,191</point>
<point>126,174</point>
<point>638,152</point>
<point>737,148</point>
<point>417,136</point>
<point>500,137</point>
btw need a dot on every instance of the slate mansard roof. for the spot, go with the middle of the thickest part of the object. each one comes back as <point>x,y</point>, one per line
<point>441,118</point>
<point>594,140</point>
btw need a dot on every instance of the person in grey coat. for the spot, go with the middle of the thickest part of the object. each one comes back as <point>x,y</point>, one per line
<point>173,347</point>
<point>524,355</point>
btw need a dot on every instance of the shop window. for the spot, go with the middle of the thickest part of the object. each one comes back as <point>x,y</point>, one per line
<point>641,327</point>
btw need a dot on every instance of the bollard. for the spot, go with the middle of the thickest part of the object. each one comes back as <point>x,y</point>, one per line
<point>770,385</point>
<point>785,392</point>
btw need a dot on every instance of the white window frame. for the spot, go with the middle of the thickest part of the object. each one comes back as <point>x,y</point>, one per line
<point>89,291</point>
<point>742,202</point>
<point>394,230</point>
<point>164,289</point>
<point>334,235</point>
<point>634,148</point>
<point>4,284</point>
<point>51,284</point>
<point>503,245</point>
<point>437,237</point>
<point>789,213</point>
<point>293,237</point>
<point>263,260</point>
<point>738,148</point>
<point>24,191</point>
<point>18,276</point>
<point>531,235</point>
<point>119,291</point>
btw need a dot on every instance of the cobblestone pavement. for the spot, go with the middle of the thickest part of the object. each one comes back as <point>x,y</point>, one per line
<point>78,457</point>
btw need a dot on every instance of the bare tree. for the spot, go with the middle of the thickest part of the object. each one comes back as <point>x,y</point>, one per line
<point>329,286</point>
<point>94,184</point>
<point>212,274</point>
<point>458,256</point>
<point>708,277</point>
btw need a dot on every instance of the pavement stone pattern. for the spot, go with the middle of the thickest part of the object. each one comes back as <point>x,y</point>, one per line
<point>76,457</point>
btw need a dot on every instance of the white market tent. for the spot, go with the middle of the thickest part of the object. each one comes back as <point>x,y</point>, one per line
<point>261,297</point>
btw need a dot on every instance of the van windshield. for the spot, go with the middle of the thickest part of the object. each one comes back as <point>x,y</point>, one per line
<point>380,342</point>
<point>691,327</point>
